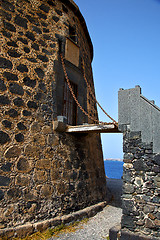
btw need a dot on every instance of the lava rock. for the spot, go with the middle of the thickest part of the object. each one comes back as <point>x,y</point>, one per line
<point>4,137</point>
<point>1,194</point>
<point>16,89</point>
<point>6,167</point>
<point>6,124</point>
<point>19,137</point>
<point>23,40</point>
<point>26,113</point>
<point>12,113</point>
<point>13,53</point>
<point>35,46</point>
<point>32,104</point>
<point>31,36</point>
<point>12,44</point>
<point>4,100</point>
<point>9,26</point>
<point>18,102</point>
<point>10,76</point>
<point>26,49</point>
<point>2,86</point>
<point>37,30</point>
<point>22,68</point>
<point>8,6</point>
<point>28,82</point>
<point>22,22</point>
<point>21,126</point>
<point>44,8</point>
<point>43,58</point>
<point>40,73</point>
<point>5,63</point>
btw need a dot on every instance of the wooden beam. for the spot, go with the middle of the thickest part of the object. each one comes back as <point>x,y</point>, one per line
<point>93,128</point>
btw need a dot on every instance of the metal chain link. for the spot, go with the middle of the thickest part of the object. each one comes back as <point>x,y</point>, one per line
<point>84,75</point>
<point>74,97</point>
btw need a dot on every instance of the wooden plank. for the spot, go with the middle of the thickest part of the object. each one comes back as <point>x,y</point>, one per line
<point>93,128</point>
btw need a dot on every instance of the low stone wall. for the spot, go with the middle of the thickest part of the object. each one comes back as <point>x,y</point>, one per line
<point>141,176</point>
<point>28,229</point>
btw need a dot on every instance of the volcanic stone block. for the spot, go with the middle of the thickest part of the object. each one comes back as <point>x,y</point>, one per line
<point>6,124</point>
<point>35,46</point>
<point>5,63</point>
<point>4,137</point>
<point>23,40</point>
<point>4,100</point>
<point>44,8</point>
<point>29,82</point>
<point>26,113</point>
<point>39,96</point>
<point>6,34</point>
<point>37,30</point>
<point>12,44</point>
<point>31,36</point>
<point>43,58</point>
<point>4,181</point>
<point>51,3</point>
<point>59,12</point>
<point>12,113</point>
<point>10,76</point>
<point>1,194</point>
<point>13,152</point>
<point>22,22</point>
<point>6,167</point>
<point>2,86</point>
<point>32,60</point>
<point>40,73</point>
<point>26,49</point>
<point>14,53</point>
<point>64,9</point>
<point>19,137</point>
<point>22,68</point>
<point>6,15</point>
<point>56,19</point>
<point>16,89</point>
<point>32,104</point>
<point>41,15</point>
<point>18,102</point>
<point>42,86</point>
<point>9,26</point>
<point>8,6</point>
<point>21,126</point>
<point>23,164</point>
<point>14,192</point>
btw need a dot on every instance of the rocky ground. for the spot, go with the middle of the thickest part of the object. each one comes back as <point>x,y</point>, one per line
<point>97,228</point>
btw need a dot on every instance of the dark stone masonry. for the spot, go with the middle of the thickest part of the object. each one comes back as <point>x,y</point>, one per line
<point>45,174</point>
<point>139,120</point>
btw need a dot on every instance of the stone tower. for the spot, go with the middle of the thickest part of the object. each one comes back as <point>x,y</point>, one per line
<point>43,173</point>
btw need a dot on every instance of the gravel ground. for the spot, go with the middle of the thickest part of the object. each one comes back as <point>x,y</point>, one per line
<point>97,228</point>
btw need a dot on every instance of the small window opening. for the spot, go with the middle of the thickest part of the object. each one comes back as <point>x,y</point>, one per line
<point>69,104</point>
<point>72,34</point>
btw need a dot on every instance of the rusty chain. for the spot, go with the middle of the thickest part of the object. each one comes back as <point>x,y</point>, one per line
<point>89,87</point>
<point>74,97</point>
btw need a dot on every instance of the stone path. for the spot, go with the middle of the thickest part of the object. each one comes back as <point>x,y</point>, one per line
<point>97,228</point>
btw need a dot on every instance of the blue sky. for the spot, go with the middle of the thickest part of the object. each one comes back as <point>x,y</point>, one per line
<point>126,40</point>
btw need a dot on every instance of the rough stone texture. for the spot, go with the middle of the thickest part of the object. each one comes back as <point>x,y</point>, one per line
<point>141,179</point>
<point>44,174</point>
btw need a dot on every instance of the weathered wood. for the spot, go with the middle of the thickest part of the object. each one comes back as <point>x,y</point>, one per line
<point>95,128</point>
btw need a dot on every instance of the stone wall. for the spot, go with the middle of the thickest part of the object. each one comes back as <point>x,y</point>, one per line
<point>43,174</point>
<point>141,176</point>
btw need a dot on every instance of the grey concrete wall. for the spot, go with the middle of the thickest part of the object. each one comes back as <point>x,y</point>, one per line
<point>140,114</point>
